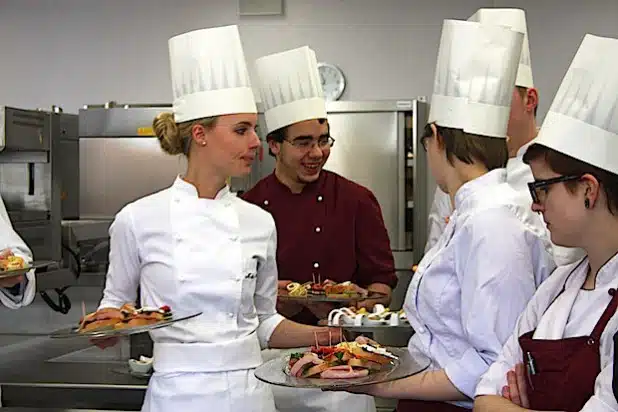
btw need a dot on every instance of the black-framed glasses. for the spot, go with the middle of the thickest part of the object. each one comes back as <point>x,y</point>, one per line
<point>325,142</point>
<point>539,188</point>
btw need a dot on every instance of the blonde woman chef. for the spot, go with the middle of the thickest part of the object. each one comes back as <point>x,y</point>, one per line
<point>562,348</point>
<point>522,129</point>
<point>469,290</point>
<point>196,247</point>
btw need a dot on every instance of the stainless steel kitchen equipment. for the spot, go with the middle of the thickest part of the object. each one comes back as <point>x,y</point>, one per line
<point>38,180</point>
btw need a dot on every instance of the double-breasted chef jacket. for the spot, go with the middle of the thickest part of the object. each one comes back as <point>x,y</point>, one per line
<point>21,294</point>
<point>561,311</point>
<point>468,290</point>
<point>215,256</point>
<point>333,229</point>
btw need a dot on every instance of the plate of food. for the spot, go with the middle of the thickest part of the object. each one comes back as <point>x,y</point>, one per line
<point>327,291</point>
<point>121,322</point>
<point>11,266</point>
<point>344,365</point>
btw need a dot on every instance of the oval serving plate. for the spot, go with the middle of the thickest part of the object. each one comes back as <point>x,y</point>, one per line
<point>276,372</point>
<point>109,332</point>
<point>22,271</point>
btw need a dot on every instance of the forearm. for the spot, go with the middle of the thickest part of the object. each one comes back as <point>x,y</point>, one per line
<point>290,334</point>
<point>427,386</point>
<point>495,403</point>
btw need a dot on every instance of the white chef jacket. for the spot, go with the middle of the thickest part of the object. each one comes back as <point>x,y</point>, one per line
<point>469,290</point>
<point>9,239</point>
<point>574,313</point>
<point>215,256</point>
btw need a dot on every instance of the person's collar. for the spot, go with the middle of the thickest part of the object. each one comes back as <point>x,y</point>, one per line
<point>188,189</point>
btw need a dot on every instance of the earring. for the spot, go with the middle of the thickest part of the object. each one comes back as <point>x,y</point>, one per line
<point>587,203</point>
<point>203,143</point>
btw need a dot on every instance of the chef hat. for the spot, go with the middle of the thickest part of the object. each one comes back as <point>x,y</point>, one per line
<point>290,87</point>
<point>209,74</point>
<point>475,76</point>
<point>516,20</point>
<point>582,121</point>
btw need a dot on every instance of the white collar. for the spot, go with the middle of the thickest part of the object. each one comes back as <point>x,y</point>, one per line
<point>188,189</point>
<point>607,276</point>
<point>466,191</point>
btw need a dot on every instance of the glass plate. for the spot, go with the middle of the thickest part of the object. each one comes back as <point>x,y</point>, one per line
<point>109,332</point>
<point>283,294</point>
<point>19,272</point>
<point>275,372</point>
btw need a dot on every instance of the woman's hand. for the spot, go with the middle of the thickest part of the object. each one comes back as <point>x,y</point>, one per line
<point>517,389</point>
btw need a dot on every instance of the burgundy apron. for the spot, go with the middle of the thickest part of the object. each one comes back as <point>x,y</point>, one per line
<point>410,405</point>
<point>562,372</point>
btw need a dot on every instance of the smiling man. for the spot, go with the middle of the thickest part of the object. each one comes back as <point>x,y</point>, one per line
<point>328,227</point>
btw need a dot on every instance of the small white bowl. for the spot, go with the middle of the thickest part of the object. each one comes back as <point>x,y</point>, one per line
<point>142,366</point>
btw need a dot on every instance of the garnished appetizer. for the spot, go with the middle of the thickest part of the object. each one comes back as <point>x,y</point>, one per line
<point>101,319</point>
<point>12,262</point>
<point>145,316</point>
<point>345,290</point>
<point>125,317</point>
<point>343,361</point>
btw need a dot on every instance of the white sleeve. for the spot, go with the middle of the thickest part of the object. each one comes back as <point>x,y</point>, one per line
<point>123,274</point>
<point>441,209</point>
<point>497,281</point>
<point>9,239</point>
<point>265,296</point>
<point>495,378</point>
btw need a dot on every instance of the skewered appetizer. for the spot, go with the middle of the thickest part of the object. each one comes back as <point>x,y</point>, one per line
<point>343,361</point>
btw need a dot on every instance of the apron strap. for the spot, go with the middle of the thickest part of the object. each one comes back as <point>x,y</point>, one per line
<point>610,310</point>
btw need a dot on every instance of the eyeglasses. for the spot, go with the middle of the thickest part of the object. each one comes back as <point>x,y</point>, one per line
<point>539,188</point>
<point>307,144</point>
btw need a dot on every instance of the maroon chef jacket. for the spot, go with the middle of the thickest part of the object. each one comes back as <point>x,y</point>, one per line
<point>333,228</point>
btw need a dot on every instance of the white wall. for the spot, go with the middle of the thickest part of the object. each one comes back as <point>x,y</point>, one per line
<point>75,52</point>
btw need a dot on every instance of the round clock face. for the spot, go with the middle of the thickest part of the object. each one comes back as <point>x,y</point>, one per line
<point>333,82</point>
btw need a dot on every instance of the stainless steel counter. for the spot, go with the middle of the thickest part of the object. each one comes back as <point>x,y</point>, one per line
<point>33,374</point>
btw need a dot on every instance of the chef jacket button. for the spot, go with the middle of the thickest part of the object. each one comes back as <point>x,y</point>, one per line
<point>234,238</point>
<point>421,330</point>
<point>320,198</point>
<point>266,203</point>
<point>230,315</point>
<point>612,292</point>
<point>316,265</point>
<point>318,229</point>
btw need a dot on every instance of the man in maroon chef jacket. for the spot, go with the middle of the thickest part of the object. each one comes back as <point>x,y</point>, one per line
<point>328,227</point>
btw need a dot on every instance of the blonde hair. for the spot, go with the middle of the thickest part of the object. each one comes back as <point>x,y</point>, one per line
<point>174,137</point>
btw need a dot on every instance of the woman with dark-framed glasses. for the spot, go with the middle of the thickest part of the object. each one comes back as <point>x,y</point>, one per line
<point>560,356</point>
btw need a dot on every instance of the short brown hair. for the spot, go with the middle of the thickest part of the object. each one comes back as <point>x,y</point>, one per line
<point>566,165</point>
<point>470,148</point>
